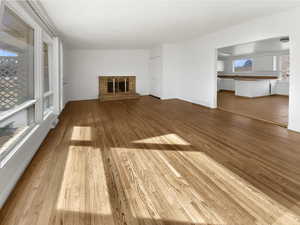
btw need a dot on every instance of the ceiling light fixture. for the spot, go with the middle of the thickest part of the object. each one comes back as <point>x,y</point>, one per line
<point>285,39</point>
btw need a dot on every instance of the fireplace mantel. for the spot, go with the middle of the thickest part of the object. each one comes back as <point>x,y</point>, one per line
<point>117,88</point>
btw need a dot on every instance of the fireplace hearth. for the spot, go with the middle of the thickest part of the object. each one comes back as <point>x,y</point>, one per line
<point>117,88</point>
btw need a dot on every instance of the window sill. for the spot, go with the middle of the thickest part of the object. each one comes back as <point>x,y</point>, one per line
<point>47,113</point>
<point>21,107</point>
<point>46,94</point>
<point>26,136</point>
<point>22,138</point>
<point>15,143</point>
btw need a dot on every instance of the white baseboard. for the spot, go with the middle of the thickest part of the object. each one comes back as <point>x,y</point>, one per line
<point>81,98</point>
<point>294,129</point>
<point>202,103</point>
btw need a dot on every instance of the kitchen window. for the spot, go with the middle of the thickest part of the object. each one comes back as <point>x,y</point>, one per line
<point>242,65</point>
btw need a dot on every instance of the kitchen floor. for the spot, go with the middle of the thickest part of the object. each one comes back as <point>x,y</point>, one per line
<point>272,109</point>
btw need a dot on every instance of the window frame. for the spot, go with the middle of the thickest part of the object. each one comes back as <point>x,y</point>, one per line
<point>244,58</point>
<point>49,94</point>
<point>36,101</point>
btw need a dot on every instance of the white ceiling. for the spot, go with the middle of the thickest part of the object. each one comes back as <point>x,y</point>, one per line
<point>144,23</point>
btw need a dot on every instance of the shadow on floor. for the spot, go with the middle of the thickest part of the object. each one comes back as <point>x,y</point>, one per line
<point>70,218</point>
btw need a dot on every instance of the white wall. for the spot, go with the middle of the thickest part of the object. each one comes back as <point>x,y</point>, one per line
<point>189,68</point>
<point>197,81</point>
<point>155,71</point>
<point>170,71</point>
<point>263,64</point>
<point>166,70</point>
<point>83,67</point>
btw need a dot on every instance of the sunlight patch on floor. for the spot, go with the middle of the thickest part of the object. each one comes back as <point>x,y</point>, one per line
<point>240,189</point>
<point>84,186</point>
<point>175,188</point>
<point>171,139</point>
<point>286,217</point>
<point>169,165</point>
<point>81,133</point>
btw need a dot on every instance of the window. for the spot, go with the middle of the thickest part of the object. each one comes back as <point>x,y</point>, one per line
<point>48,94</point>
<point>274,63</point>
<point>17,103</point>
<point>46,68</point>
<point>284,61</point>
<point>242,65</point>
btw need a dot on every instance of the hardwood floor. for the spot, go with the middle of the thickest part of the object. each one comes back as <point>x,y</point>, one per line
<point>274,109</point>
<point>159,162</point>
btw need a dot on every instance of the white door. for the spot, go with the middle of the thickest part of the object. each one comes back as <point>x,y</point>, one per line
<point>155,74</point>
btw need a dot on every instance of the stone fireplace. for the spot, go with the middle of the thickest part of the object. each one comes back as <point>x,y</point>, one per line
<point>117,88</point>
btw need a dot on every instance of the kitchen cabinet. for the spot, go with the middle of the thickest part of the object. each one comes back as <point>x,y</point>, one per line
<point>252,88</point>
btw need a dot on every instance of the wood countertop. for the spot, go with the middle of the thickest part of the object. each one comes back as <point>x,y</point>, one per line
<point>239,77</point>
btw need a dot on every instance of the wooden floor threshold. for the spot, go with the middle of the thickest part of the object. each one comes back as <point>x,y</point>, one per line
<point>255,118</point>
<point>153,96</point>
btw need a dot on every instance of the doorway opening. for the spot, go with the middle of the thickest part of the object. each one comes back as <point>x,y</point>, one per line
<point>253,80</point>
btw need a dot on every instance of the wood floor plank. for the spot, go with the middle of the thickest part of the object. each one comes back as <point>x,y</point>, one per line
<point>154,162</point>
<point>273,108</point>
